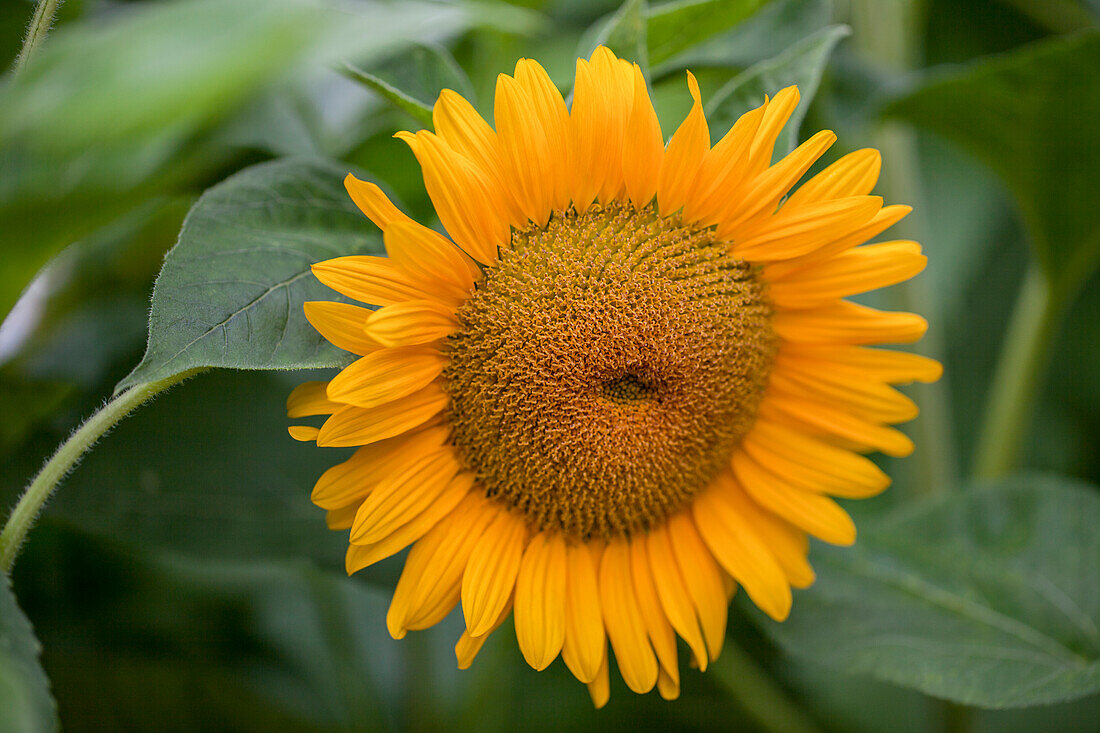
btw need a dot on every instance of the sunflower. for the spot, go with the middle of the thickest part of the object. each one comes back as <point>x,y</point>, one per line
<point>626,384</point>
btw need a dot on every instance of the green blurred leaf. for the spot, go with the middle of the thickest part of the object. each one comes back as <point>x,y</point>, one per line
<point>230,293</point>
<point>624,32</point>
<point>135,639</point>
<point>416,109</point>
<point>1030,115</point>
<point>114,111</point>
<point>801,64</point>
<point>25,696</point>
<point>778,24</point>
<point>988,597</point>
<point>677,26</point>
<point>206,470</point>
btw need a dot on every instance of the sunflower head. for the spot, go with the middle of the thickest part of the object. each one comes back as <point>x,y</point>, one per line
<point>623,385</point>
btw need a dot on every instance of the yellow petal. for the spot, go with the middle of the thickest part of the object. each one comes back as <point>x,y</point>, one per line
<point>386,375</point>
<point>817,514</point>
<point>342,518</point>
<point>490,576</point>
<point>622,618</point>
<point>657,626</point>
<point>524,150</point>
<point>788,544</point>
<point>360,556</point>
<point>468,646</point>
<point>433,569</point>
<point>361,426</point>
<point>675,598</point>
<point>303,433</point>
<point>643,146</point>
<point>703,578</point>
<point>372,202</point>
<point>400,497</point>
<point>585,645</point>
<point>310,398</point>
<point>599,689</point>
<point>469,205</point>
<point>683,156</point>
<point>893,367</point>
<point>886,217</point>
<point>430,261</point>
<point>353,479</point>
<point>853,175</point>
<point>341,324</point>
<point>459,124</point>
<point>834,420</point>
<point>602,99</point>
<point>797,231</point>
<point>812,464</point>
<point>741,552</point>
<point>856,271</point>
<point>760,195</point>
<point>778,111</point>
<point>857,393</point>
<point>411,323</point>
<point>540,600</point>
<point>368,279</point>
<point>723,169</point>
<point>550,110</point>
<point>848,323</point>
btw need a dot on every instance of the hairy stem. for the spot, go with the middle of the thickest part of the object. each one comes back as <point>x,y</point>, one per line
<point>68,454</point>
<point>39,26</point>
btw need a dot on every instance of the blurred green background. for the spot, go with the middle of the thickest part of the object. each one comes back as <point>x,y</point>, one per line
<point>182,580</point>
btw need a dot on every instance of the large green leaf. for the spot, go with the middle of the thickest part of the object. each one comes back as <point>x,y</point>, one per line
<point>988,597</point>
<point>230,293</point>
<point>1030,115</point>
<point>801,64</point>
<point>25,696</point>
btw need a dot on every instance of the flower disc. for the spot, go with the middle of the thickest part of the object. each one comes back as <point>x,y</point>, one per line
<point>605,368</point>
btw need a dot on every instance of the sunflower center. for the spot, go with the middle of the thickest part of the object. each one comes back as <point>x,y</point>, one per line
<point>605,368</point>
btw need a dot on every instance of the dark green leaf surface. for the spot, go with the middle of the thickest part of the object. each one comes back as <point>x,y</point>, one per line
<point>988,598</point>
<point>801,64</point>
<point>676,26</point>
<point>1030,115</point>
<point>26,705</point>
<point>415,108</point>
<point>231,291</point>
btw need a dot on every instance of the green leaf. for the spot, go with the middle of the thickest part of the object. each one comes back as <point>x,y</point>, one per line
<point>416,109</point>
<point>801,64</point>
<point>25,696</point>
<point>230,293</point>
<point>624,32</point>
<point>778,24</point>
<point>676,26</point>
<point>1030,115</point>
<point>412,81</point>
<point>988,597</point>
<point>112,112</point>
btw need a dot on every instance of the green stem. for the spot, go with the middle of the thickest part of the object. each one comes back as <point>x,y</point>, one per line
<point>1023,356</point>
<point>758,694</point>
<point>46,482</point>
<point>39,26</point>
